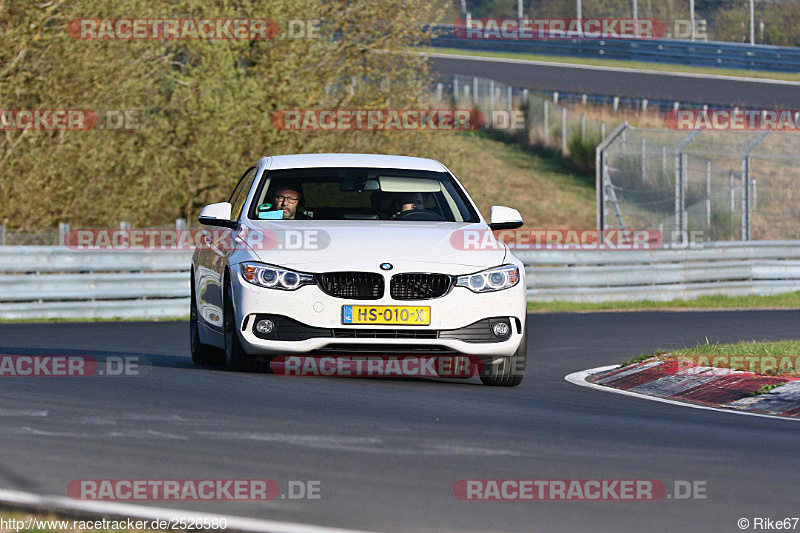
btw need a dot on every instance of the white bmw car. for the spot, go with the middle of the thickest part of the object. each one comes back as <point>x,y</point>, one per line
<point>354,254</point>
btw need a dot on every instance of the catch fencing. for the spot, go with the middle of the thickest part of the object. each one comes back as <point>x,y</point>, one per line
<point>544,119</point>
<point>725,185</point>
<point>56,282</point>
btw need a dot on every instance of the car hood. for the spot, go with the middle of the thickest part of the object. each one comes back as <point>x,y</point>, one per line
<point>319,246</point>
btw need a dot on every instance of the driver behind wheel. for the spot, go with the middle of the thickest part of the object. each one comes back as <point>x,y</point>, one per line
<point>408,201</point>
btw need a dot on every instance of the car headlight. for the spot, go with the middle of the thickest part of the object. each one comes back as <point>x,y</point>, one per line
<point>494,279</point>
<point>272,277</point>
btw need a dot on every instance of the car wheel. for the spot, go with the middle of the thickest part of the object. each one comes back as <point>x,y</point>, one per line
<point>510,371</point>
<point>236,358</point>
<point>202,354</point>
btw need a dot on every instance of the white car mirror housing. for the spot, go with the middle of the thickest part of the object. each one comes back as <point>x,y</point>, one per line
<point>218,215</point>
<point>502,217</point>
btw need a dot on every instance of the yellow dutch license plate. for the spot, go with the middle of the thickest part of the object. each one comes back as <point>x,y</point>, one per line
<point>386,314</point>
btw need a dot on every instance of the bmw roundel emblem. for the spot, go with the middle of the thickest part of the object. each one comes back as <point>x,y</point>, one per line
<point>386,266</point>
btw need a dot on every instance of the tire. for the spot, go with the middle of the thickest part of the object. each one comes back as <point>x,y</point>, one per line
<point>236,358</point>
<point>510,371</point>
<point>202,354</point>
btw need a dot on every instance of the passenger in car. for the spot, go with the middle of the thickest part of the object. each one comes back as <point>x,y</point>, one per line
<point>408,201</point>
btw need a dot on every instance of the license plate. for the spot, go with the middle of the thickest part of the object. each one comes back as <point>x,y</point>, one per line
<point>386,314</point>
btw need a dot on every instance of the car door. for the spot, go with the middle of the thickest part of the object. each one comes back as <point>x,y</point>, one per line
<point>217,246</point>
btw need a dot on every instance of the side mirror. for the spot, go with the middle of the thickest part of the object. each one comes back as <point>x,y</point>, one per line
<point>504,218</point>
<point>218,215</point>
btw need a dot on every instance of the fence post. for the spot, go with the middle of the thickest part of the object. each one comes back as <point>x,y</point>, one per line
<point>755,194</point>
<point>708,198</point>
<point>455,90</point>
<point>663,159</point>
<point>584,99</point>
<point>466,91</point>
<point>180,223</point>
<point>583,126</point>
<point>439,88</point>
<point>564,131</point>
<point>555,97</point>
<point>678,205</point>
<point>681,160</point>
<point>603,131</point>
<point>124,225</point>
<point>63,229</point>
<point>644,106</point>
<point>746,198</point>
<point>601,177</point>
<point>644,159</point>
<point>509,104</point>
<point>733,194</point>
<point>2,235</point>
<point>475,90</point>
<point>546,122</point>
<point>491,102</point>
<point>746,184</point>
<point>615,104</point>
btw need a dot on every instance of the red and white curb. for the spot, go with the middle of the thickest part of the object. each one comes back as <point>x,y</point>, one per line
<point>699,387</point>
<point>61,505</point>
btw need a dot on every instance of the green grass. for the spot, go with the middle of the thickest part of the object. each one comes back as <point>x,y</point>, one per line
<point>788,300</point>
<point>774,348</point>
<point>765,389</point>
<point>759,74</point>
<point>770,358</point>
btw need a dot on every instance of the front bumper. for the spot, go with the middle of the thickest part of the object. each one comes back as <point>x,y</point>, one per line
<point>454,328</point>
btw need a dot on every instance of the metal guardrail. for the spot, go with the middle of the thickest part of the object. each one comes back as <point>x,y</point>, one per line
<point>55,282</point>
<point>676,51</point>
<point>732,268</point>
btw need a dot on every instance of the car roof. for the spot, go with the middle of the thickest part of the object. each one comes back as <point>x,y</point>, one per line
<point>281,162</point>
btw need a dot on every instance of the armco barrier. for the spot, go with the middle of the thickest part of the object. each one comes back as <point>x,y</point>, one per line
<point>723,268</point>
<point>55,282</point>
<point>678,51</point>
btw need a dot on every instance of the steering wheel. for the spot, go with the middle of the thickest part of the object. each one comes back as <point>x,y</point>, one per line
<point>419,214</point>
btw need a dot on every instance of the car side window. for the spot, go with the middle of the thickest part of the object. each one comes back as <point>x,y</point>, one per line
<point>239,195</point>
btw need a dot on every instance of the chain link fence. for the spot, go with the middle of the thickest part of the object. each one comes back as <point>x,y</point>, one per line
<point>549,120</point>
<point>723,185</point>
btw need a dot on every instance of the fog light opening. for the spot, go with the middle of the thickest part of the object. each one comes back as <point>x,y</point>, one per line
<point>501,329</point>
<point>265,326</point>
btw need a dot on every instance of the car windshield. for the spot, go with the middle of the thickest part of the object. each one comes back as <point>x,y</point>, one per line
<point>360,194</point>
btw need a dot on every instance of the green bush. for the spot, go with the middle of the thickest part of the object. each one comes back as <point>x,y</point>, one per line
<point>207,104</point>
<point>582,150</point>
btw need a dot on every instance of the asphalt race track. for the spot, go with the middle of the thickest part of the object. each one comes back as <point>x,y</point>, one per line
<point>701,89</point>
<point>387,452</point>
